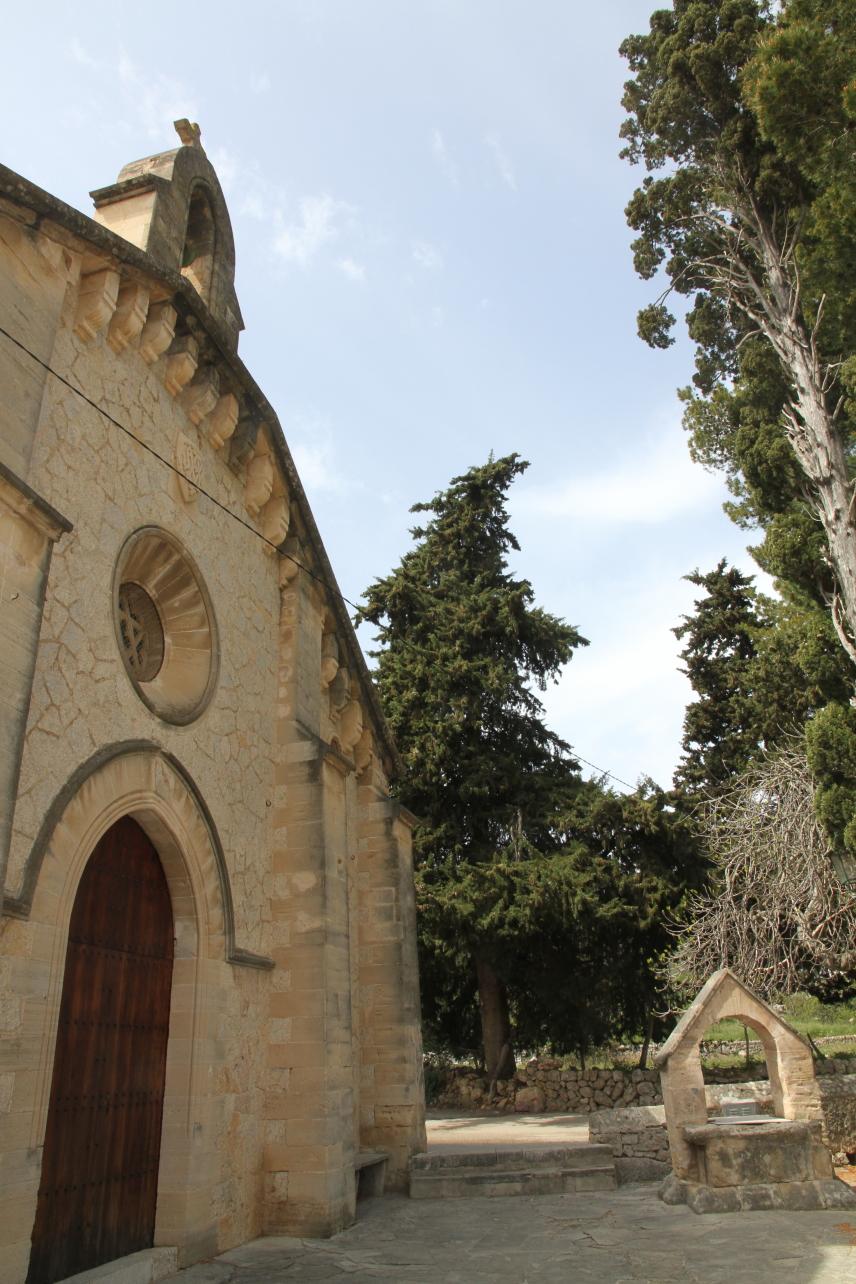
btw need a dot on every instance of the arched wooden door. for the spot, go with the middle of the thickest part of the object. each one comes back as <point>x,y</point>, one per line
<point>100,1165</point>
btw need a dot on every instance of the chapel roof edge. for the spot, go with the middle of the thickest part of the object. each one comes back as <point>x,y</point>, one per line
<point>43,212</point>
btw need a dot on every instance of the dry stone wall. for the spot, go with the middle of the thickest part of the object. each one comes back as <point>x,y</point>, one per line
<point>543,1085</point>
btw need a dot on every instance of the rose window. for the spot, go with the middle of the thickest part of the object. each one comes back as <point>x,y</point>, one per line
<point>141,632</point>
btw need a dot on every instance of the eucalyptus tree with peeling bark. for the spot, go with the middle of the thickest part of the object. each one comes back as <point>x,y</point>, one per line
<point>749,110</point>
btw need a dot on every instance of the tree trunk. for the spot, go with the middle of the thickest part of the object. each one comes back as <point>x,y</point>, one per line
<point>496,1027</point>
<point>812,430</point>
<point>649,1031</point>
<point>819,448</point>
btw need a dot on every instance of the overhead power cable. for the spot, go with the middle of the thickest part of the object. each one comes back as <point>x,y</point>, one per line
<point>332,588</point>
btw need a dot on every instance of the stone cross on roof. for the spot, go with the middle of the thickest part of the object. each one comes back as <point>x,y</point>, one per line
<point>190,134</point>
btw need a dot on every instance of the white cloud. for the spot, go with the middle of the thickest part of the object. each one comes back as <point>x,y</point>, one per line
<point>313,448</point>
<point>442,157</point>
<point>227,167</point>
<point>504,167</point>
<point>300,242</point>
<point>626,689</point>
<point>253,205</point>
<point>426,255</point>
<point>649,488</point>
<point>81,55</point>
<point>315,467</point>
<point>352,270</point>
<point>155,99</point>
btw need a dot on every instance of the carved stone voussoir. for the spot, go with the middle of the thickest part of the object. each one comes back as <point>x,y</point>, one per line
<point>329,658</point>
<point>350,725</point>
<point>200,396</point>
<point>290,562</point>
<point>158,332</point>
<point>181,363</point>
<point>275,517</point>
<point>364,751</point>
<point>244,440</point>
<point>129,317</point>
<point>259,485</point>
<point>96,302</point>
<point>221,422</point>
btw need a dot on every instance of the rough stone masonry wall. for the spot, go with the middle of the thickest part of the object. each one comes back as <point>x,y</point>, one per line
<point>262,1087</point>
<point>543,1085</point>
<point>640,1142</point>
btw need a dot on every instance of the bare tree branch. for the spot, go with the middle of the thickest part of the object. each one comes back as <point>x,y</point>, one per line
<point>775,912</point>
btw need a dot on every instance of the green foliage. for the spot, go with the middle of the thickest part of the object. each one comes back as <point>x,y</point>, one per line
<point>759,668</point>
<point>720,725</point>
<point>744,114</point>
<point>806,1013</point>
<point>558,886</point>
<point>463,652</point>
<point>575,931</point>
<point>831,746</point>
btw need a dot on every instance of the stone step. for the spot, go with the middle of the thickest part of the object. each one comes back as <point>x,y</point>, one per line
<point>581,1155</point>
<point>495,1173</point>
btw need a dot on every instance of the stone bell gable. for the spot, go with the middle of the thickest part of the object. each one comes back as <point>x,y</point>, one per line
<point>172,206</point>
<point>183,688</point>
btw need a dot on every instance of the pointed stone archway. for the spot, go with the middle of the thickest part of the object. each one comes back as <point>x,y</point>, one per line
<point>98,1190</point>
<point>143,785</point>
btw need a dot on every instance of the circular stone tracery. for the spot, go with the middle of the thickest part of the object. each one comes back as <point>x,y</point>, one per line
<point>164,626</point>
<point>141,632</point>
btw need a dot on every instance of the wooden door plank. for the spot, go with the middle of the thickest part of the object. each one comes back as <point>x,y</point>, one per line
<point>98,1193</point>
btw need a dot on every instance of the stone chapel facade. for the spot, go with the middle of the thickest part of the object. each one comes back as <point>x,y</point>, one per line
<point>209,1015</point>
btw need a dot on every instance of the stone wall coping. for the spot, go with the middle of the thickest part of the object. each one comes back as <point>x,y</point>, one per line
<point>700,1134</point>
<point>28,502</point>
<point>61,222</point>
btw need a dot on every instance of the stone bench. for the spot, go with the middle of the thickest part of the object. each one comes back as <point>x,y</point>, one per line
<point>370,1172</point>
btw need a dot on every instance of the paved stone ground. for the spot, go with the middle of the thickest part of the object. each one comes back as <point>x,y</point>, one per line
<point>451,1131</point>
<point>622,1237</point>
<point>625,1236</point>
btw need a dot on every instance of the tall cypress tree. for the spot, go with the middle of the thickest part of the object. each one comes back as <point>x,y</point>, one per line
<point>464,651</point>
<point>760,669</point>
<point>720,725</point>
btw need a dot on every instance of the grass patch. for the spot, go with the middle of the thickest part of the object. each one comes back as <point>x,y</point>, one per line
<point>806,1014</point>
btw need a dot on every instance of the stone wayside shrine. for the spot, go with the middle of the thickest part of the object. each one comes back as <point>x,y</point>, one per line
<point>732,1163</point>
<point>209,1012</point>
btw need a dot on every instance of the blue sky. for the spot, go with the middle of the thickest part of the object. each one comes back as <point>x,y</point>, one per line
<point>432,264</point>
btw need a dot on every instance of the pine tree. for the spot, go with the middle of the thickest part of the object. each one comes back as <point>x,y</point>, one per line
<point>464,651</point>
